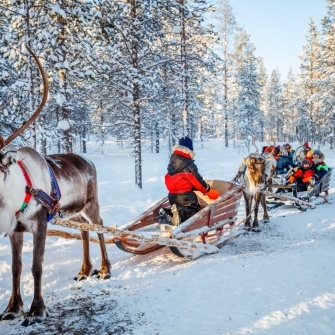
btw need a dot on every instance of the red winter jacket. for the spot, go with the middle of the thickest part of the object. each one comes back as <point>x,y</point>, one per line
<point>183,175</point>
<point>304,175</point>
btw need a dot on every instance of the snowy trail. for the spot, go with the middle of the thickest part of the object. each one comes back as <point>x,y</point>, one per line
<point>279,281</point>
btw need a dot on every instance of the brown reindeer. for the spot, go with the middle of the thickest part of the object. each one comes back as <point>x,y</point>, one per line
<point>77,180</point>
<point>255,171</point>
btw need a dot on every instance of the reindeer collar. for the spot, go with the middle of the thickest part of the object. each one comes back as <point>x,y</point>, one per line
<point>28,195</point>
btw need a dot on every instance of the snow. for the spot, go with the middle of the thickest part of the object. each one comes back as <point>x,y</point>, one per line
<point>63,124</point>
<point>279,281</point>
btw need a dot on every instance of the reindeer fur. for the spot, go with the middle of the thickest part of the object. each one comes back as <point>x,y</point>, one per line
<point>256,173</point>
<point>77,180</point>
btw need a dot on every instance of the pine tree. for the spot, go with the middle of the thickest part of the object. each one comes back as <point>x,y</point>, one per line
<point>273,108</point>
<point>249,92</point>
<point>227,29</point>
<point>309,76</point>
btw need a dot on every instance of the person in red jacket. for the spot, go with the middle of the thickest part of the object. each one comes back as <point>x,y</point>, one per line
<point>304,175</point>
<point>181,181</point>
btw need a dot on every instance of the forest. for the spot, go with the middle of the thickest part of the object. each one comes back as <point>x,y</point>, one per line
<point>146,72</point>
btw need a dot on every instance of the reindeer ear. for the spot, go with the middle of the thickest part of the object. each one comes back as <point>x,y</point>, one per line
<point>9,158</point>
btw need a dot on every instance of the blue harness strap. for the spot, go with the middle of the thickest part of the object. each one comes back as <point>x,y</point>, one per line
<point>50,202</point>
<point>56,195</point>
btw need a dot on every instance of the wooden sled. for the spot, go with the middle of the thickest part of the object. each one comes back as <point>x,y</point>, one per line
<point>290,194</point>
<point>204,232</point>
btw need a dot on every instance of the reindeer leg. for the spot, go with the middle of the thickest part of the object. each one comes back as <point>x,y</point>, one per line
<point>38,312</point>
<point>86,268</point>
<point>266,217</point>
<point>105,269</point>
<point>15,305</point>
<point>92,212</point>
<point>255,226</point>
<point>248,203</point>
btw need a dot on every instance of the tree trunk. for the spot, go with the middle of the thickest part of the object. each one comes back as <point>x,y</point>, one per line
<point>136,103</point>
<point>184,69</point>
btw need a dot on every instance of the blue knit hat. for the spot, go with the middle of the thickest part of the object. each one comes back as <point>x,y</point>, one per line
<point>317,152</point>
<point>186,142</point>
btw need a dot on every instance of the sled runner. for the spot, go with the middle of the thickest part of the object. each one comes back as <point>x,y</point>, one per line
<point>289,195</point>
<point>212,226</point>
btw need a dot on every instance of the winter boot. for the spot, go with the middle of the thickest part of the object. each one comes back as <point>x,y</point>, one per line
<point>176,219</point>
<point>165,216</point>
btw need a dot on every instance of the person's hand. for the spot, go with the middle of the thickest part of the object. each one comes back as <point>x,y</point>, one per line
<point>212,193</point>
<point>291,179</point>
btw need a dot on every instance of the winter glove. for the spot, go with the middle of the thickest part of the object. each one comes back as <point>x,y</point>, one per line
<point>291,179</point>
<point>306,180</point>
<point>212,193</point>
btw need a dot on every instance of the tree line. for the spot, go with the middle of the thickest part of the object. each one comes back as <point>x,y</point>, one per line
<point>147,72</point>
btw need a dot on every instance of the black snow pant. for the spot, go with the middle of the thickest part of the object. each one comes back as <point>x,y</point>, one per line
<point>187,204</point>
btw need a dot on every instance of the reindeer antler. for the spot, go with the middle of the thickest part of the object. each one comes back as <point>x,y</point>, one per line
<point>4,142</point>
<point>255,139</point>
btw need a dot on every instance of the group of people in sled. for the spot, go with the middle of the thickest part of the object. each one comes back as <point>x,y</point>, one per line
<point>307,172</point>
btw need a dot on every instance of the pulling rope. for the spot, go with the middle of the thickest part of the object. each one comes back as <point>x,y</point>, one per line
<point>324,198</point>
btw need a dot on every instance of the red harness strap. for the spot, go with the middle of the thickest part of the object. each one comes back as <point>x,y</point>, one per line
<point>28,194</point>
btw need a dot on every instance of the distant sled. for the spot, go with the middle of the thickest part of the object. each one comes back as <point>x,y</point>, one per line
<point>288,194</point>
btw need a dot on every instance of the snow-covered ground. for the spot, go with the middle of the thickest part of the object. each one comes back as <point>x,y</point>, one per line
<point>279,281</point>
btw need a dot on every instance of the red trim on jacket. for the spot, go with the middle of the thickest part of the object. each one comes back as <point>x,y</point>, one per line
<point>181,153</point>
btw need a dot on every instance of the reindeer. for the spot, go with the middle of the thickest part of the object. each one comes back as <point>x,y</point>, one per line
<point>26,181</point>
<point>255,172</point>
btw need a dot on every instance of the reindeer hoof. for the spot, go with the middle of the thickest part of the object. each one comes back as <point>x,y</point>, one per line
<point>8,316</point>
<point>104,276</point>
<point>84,275</point>
<point>247,227</point>
<point>256,229</point>
<point>30,319</point>
<point>80,278</point>
<point>11,315</point>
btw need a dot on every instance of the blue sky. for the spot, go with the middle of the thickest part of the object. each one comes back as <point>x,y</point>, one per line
<point>277,28</point>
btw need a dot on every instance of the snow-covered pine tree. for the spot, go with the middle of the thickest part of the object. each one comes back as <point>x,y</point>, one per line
<point>227,29</point>
<point>273,108</point>
<point>327,81</point>
<point>247,113</point>
<point>310,74</point>
<point>290,109</point>
<point>262,79</point>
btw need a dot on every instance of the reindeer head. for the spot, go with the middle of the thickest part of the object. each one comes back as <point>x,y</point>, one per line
<point>256,165</point>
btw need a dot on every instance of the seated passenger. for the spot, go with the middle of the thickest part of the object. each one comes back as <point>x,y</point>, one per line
<point>181,181</point>
<point>267,148</point>
<point>304,176</point>
<point>320,167</point>
<point>304,151</point>
<point>284,161</point>
<point>289,149</point>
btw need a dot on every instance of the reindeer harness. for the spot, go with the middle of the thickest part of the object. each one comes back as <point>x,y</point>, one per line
<point>50,202</point>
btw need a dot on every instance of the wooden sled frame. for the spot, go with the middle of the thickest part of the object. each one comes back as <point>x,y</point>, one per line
<point>211,226</point>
